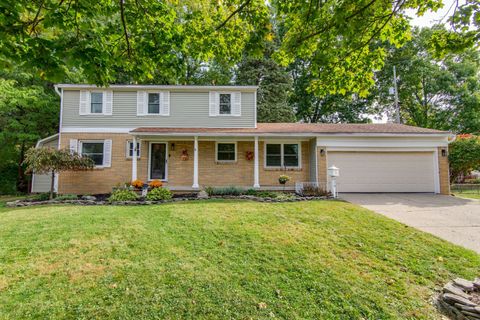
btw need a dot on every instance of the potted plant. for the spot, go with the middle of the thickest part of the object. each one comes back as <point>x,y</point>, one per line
<point>283,179</point>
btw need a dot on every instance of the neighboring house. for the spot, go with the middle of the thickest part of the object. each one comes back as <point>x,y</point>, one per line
<point>196,136</point>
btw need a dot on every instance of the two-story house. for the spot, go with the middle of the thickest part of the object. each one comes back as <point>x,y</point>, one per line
<point>195,136</point>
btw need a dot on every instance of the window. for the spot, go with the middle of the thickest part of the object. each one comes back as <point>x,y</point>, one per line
<point>154,103</point>
<point>282,155</point>
<point>226,152</point>
<point>130,149</point>
<point>225,103</point>
<point>96,102</point>
<point>93,150</point>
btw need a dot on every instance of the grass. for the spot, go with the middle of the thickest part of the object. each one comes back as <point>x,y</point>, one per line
<point>220,260</point>
<point>470,194</point>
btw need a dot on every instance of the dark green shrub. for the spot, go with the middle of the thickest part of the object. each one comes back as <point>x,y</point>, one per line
<point>251,192</point>
<point>267,194</point>
<point>41,197</point>
<point>157,194</point>
<point>67,197</point>
<point>123,195</point>
<point>224,191</point>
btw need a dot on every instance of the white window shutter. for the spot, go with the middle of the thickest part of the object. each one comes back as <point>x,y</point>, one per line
<point>213,109</point>
<point>142,103</point>
<point>107,153</point>
<point>236,103</point>
<point>127,149</point>
<point>108,102</point>
<point>84,107</point>
<point>73,145</point>
<point>165,103</point>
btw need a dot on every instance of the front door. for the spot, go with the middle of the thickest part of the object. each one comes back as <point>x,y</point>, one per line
<point>158,161</point>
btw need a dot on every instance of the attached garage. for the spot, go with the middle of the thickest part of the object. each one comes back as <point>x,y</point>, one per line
<point>390,171</point>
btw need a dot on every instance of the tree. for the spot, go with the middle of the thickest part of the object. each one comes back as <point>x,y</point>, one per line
<point>274,83</point>
<point>330,108</point>
<point>28,111</point>
<point>51,161</point>
<point>464,156</point>
<point>434,93</point>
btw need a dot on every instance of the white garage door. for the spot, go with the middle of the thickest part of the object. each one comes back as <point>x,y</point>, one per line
<point>384,171</point>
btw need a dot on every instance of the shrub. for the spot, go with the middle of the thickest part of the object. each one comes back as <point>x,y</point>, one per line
<point>123,195</point>
<point>157,194</point>
<point>41,196</point>
<point>251,192</point>
<point>313,191</point>
<point>67,197</point>
<point>224,191</point>
<point>155,184</point>
<point>267,194</point>
<point>137,184</point>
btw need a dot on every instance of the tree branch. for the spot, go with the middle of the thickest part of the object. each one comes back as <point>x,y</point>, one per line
<point>125,30</point>
<point>239,9</point>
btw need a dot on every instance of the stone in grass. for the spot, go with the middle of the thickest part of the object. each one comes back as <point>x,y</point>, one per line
<point>471,314</point>
<point>463,284</point>
<point>450,288</point>
<point>468,308</point>
<point>202,195</point>
<point>90,198</point>
<point>457,299</point>
<point>476,283</point>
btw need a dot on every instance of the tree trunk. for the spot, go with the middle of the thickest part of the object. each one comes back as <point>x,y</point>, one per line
<point>52,185</point>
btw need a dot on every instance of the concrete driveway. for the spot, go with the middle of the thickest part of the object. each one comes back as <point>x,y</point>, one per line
<point>454,219</point>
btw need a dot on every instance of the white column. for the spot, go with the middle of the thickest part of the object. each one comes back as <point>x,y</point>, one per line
<point>256,183</point>
<point>195,163</point>
<point>134,159</point>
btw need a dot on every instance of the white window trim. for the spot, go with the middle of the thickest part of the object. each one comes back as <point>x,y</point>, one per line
<point>167,155</point>
<point>231,104</point>
<point>282,155</point>
<point>80,147</point>
<point>217,106</point>
<point>104,101</point>
<point>160,100</point>
<point>127,151</point>
<point>225,142</point>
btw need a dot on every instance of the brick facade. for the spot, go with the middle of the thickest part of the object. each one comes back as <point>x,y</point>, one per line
<point>444,171</point>
<point>180,172</point>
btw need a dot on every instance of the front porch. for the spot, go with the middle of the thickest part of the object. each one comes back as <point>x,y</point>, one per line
<point>189,163</point>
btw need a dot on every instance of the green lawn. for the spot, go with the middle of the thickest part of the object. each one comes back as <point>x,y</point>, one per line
<point>220,260</point>
<point>470,194</point>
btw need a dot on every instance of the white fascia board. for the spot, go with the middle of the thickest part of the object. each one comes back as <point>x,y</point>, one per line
<point>47,139</point>
<point>157,87</point>
<point>424,141</point>
<point>95,130</point>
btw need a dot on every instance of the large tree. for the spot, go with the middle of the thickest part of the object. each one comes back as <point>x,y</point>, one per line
<point>441,93</point>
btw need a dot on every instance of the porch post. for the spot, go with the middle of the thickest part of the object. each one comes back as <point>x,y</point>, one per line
<point>256,183</point>
<point>134,159</point>
<point>195,163</point>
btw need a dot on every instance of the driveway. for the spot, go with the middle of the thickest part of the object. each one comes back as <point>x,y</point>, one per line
<point>454,219</point>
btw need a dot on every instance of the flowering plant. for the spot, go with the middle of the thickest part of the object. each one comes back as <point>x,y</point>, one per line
<point>283,179</point>
<point>155,184</point>
<point>249,155</point>
<point>137,184</point>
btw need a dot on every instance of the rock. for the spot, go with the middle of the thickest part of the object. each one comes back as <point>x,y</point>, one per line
<point>91,198</point>
<point>471,314</point>
<point>463,284</point>
<point>449,297</point>
<point>467,308</point>
<point>202,195</point>
<point>450,288</point>
<point>476,283</point>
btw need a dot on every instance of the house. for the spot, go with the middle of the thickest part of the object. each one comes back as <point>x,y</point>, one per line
<point>196,136</point>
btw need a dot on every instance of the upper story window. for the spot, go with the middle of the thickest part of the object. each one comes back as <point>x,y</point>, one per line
<point>153,103</point>
<point>226,152</point>
<point>96,102</point>
<point>225,103</point>
<point>278,155</point>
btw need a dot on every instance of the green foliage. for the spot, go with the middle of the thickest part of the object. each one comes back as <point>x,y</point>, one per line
<point>251,192</point>
<point>41,196</point>
<point>313,191</point>
<point>123,195</point>
<point>66,197</point>
<point>464,156</point>
<point>50,161</point>
<point>158,194</point>
<point>8,176</point>
<point>274,86</point>
<point>224,191</point>
<point>282,179</point>
<point>433,93</point>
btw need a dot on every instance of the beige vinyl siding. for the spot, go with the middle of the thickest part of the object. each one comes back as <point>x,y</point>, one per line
<point>41,182</point>
<point>187,109</point>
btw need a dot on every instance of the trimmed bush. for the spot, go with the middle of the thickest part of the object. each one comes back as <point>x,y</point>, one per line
<point>251,192</point>
<point>67,197</point>
<point>41,197</point>
<point>123,195</point>
<point>158,194</point>
<point>224,191</point>
<point>313,191</point>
